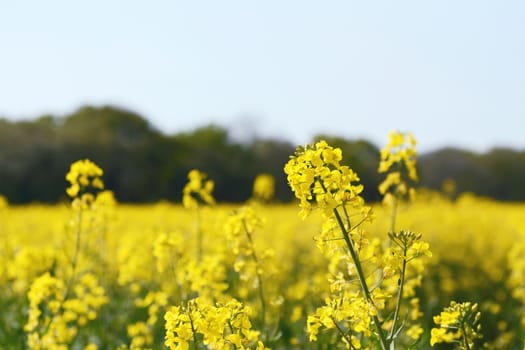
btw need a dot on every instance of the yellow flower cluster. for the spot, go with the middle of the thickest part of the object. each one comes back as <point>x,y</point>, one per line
<point>410,243</point>
<point>398,158</point>
<point>239,229</point>
<point>198,190</point>
<point>264,187</point>
<point>221,326</point>
<point>88,298</point>
<point>399,150</point>
<point>167,248</point>
<point>27,264</point>
<point>316,176</point>
<point>54,318</point>
<point>355,310</point>
<point>255,266</point>
<point>83,175</point>
<point>458,324</point>
<point>141,333</point>
<point>242,220</point>
<point>348,313</point>
<point>406,247</point>
<point>45,328</point>
<point>65,298</point>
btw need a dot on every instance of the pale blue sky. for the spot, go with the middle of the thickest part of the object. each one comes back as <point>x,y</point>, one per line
<point>452,72</point>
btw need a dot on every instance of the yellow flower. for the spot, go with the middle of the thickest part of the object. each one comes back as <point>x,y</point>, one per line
<point>82,175</point>
<point>457,323</point>
<point>260,346</point>
<point>398,157</point>
<point>414,332</point>
<point>442,335</point>
<point>211,323</point>
<point>235,339</point>
<point>264,187</point>
<point>312,326</point>
<point>316,177</point>
<point>45,289</point>
<point>447,318</point>
<point>198,190</point>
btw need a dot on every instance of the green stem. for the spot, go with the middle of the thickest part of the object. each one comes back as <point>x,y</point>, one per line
<point>259,277</point>
<point>343,333</point>
<point>361,275</point>
<point>231,332</point>
<point>399,297</point>
<point>74,259</point>
<point>465,340</point>
<point>347,216</point>
<point>178,294</point>
<point>357,262</point>
<point>195,346</point>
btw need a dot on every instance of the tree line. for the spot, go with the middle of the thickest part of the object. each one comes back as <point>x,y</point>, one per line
<point>142,164</point>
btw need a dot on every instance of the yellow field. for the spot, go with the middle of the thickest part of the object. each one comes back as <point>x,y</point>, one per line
<point>146,259</point>
<point>328,272</point>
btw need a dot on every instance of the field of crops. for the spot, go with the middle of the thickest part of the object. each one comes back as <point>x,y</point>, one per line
<point>326,272</point>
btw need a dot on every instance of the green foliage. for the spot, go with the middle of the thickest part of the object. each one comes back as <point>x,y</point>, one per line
<point>144,165</point>
<point>498,174</point>
<point>141,163</point>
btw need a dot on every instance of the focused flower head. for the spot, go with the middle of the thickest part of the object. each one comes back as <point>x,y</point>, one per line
<point>316,176</point>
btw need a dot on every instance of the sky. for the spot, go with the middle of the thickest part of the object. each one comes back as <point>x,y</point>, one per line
<point>450,72</point>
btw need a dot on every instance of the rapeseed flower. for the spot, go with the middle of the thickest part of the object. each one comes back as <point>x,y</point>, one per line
<point>264,187</point>
<point>82,175</point>
<point>458,324</point>
<point>317,178</point>
<point>198,190</point>
<point>398,159</point>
